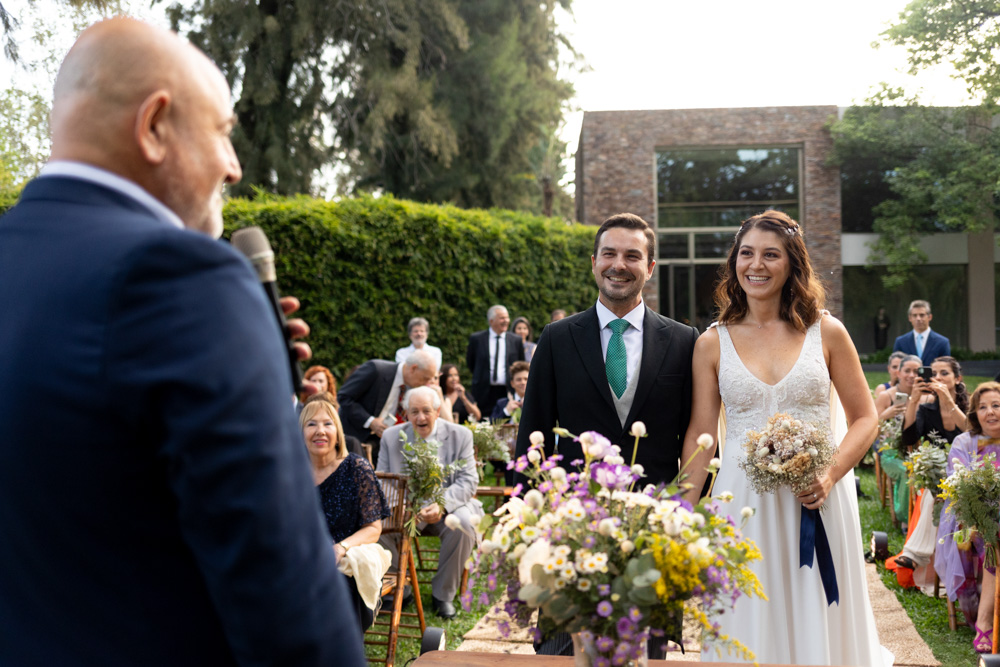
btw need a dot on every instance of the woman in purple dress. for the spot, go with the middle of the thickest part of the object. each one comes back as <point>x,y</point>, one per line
<point>958,566</point>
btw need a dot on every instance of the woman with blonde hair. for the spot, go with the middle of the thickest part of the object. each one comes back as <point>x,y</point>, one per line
<point>350,494</point>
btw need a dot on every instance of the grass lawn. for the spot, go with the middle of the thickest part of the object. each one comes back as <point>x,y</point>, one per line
<point>929,616</point>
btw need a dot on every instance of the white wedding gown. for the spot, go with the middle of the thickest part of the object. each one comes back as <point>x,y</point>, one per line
<point>794,625</point>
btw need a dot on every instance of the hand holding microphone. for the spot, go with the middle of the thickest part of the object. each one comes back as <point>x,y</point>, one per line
<point>253,243</point>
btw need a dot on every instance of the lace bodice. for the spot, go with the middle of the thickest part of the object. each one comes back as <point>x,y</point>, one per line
<point>804,392</point>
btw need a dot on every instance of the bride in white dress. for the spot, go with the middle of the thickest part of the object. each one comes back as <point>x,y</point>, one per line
<point>775,350</point>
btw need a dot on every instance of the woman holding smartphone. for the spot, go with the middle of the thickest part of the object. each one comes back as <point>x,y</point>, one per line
<point>944,415</point>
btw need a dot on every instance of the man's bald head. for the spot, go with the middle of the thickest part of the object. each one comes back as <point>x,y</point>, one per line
<point>132,98</point>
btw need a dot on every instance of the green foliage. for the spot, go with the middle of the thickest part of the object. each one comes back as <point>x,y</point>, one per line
<point>965,34</point>
<point>468,120</point>
<point>942,167</point>
<point>24,135</point>
<point>363,267</point>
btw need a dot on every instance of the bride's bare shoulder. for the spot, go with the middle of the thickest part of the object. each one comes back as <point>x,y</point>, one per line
<point>708,342</point>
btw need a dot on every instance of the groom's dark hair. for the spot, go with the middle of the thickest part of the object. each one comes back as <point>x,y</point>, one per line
<point>628,221</point>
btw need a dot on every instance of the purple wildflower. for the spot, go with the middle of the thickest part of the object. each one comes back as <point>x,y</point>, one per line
<point>604,589</point>
<point>625,628</point>
<point>517,490</point>
<point>601,661</point>
<point>466,600</point>
<point>600,446</point>
<point>535,633</point>
<point>589,541</point>
<point>604,644</point>
<point>634,614</point>
<point>491,582</point>
<point>604,608</point>
<point>521,465</point>
<point>576,462</point>
<point>611,476</point>
<point>545,486</point>
<point>549,464</point>
<point>504,628</point>
<point>484,599</point>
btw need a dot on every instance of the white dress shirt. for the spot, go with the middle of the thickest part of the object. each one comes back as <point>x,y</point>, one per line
<point>631,336</point>
<point>498,353</point>
<point>435,352</point>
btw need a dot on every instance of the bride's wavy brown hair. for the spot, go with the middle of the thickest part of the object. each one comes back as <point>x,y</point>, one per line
<point>802,295</point>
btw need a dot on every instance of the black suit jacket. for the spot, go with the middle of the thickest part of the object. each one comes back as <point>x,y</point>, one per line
<point>363,395</point>
<point>568,385</point>
<point>477,358</point>
<point>156,501</point>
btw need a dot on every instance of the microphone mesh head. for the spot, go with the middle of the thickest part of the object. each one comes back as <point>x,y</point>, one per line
<point>252,242</point>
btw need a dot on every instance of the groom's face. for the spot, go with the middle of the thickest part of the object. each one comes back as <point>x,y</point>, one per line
<point>621,266</point>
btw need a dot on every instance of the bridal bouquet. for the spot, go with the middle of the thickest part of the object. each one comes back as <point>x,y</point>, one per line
<point>974,495</point>
<point>787,452</point>
<point>611,564</point>
<point>426,476</point>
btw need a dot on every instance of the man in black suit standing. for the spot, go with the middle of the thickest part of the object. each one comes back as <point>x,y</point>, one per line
<point>489,378</point>
<point>371,399</point>
<point>615,363</point>
<point>648,378</point>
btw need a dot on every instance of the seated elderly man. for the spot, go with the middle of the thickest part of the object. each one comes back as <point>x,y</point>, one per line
<point>421,405</point>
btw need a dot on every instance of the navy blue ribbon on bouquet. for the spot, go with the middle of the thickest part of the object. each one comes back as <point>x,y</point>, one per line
<point>812,538</point>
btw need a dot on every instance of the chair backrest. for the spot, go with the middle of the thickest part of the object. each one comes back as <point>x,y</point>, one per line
<point>394,488</point>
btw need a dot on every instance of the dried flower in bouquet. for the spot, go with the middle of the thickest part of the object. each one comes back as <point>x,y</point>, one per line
<point>787,452</point>
<point>974,492</point>
<point>619,565</point>
<point>426,476</point>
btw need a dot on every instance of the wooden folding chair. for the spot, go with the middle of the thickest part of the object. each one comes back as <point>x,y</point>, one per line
<point>388,623</point>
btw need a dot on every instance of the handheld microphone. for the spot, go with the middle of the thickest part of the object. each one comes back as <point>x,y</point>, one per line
<point>252,242</point>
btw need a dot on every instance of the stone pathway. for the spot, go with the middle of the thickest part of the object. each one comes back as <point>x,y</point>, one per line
<point>895,630</point>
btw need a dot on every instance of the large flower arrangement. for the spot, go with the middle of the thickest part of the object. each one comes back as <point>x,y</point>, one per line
<point>927,465</point>
<point>487,445</point>
<point>615,564</point>
<point>974,495</point>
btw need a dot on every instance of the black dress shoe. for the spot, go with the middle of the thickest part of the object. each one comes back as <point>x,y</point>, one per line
<point>443,609</point>
<point>389,599</point>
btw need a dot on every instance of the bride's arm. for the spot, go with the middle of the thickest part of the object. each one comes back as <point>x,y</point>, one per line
<point>852,389</point>
<point>705,404</point>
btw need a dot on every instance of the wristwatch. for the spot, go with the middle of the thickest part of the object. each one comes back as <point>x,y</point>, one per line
<point>347,547</point>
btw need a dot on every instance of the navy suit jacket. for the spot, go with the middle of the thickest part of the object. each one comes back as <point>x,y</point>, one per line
<point>156,502</point>
<point>477,358</point>
<point>568,384</point>
<point>935,346</point>
<point>363,395</point>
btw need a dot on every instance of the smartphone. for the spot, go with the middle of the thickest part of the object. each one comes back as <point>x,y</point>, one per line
<point>925,373</point>
<point>900,399</point>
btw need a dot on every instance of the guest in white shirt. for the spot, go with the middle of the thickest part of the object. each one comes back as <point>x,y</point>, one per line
<point>418,329</point>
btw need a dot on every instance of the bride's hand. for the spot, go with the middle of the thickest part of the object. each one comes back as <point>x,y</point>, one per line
<point>817,492</point>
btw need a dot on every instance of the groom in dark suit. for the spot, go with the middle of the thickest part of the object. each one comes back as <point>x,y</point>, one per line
<point>156,503</point>
<point>615,363</point>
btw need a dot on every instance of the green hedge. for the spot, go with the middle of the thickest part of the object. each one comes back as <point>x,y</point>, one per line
<point>363,267</point>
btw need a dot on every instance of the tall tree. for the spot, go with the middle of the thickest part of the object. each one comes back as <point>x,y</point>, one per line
<point>476,127</point>
<point>942,165</point>
<point>287,60</point>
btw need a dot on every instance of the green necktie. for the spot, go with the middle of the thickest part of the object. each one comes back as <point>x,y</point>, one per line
<point>615,364</point>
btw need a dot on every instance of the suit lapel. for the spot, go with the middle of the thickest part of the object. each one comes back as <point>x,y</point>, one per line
<point>586,335</point>
<point>655,343</point>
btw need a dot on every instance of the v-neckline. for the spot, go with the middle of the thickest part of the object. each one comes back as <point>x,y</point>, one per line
<point>798,359</point>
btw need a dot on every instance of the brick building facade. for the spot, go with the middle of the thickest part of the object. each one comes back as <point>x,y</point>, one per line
<point>616,170</point>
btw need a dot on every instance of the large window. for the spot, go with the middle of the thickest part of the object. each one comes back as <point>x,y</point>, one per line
<point>702,196</point>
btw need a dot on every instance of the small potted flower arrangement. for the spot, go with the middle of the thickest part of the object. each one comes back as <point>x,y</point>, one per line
<point>613,565</point>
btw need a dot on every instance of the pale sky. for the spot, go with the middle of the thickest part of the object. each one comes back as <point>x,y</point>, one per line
<point>683,54</point>
<point>673,54</point>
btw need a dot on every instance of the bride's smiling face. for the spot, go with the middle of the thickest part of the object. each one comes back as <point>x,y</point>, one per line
<point>762,264</point>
